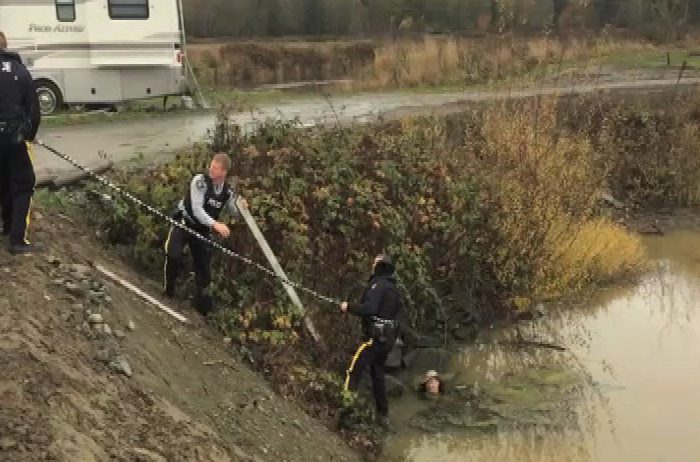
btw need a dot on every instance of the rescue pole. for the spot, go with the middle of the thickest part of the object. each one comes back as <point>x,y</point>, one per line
<point>277,268</point>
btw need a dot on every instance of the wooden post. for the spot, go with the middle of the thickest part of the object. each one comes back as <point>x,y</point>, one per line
<point>680,73</point>
<point>680,76</point>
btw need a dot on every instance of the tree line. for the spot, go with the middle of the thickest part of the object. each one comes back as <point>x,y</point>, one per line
<point>659,19</point>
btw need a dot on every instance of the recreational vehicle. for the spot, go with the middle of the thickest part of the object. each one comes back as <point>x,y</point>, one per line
<point>84,52</point>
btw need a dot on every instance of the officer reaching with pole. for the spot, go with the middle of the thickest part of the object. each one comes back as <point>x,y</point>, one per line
<point>19,121</point>
<point>208,195</point>
<point>379,309</point>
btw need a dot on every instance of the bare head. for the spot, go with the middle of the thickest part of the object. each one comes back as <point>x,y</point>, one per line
<point>432,382</point>
<point>3,41</point>
<point>219,167</point>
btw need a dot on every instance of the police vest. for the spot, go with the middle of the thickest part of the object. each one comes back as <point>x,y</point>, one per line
<point>213,203</point>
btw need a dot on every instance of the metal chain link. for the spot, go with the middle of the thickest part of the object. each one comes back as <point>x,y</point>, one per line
<point>173,222</point>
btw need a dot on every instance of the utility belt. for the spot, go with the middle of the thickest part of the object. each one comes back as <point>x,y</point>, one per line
<point>181,216</point>
<point>12,131</point>
<point>384,330</point>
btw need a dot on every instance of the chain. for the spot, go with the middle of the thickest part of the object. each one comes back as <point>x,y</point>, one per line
<point>154,211</point>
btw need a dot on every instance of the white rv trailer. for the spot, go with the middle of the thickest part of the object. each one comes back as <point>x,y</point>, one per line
<point>97,51</point>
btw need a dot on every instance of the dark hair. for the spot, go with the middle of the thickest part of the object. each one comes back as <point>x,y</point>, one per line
<point>3,41</point>
<point>385,265</point>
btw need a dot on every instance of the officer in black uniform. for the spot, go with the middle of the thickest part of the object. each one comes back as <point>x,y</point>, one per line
<point>208,195</point>
<point>19,121</point>
<point>379,309</point>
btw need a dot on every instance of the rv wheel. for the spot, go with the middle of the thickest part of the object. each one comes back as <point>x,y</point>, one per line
<point>50,98</point>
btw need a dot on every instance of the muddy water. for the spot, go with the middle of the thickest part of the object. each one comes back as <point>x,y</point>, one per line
<point>635,354</point>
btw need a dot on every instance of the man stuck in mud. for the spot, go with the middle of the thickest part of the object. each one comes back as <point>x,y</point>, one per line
<point>19,122</point>
<point>208,195</point>
<point>379,309</point>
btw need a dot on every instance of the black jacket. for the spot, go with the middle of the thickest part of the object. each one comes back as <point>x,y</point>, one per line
<point>380,299</point>
<point>18,98</point>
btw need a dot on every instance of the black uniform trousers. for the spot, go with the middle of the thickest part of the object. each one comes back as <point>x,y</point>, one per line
<point>372,354</point>
<point>201,258</point>
<point>17,181</point>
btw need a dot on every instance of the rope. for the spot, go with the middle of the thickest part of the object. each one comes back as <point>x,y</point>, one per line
<point>153,211</point>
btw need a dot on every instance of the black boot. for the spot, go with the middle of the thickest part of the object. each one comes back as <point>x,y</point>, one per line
<point>22,249</point>
<point>203,302</point>
<point>169,290</point>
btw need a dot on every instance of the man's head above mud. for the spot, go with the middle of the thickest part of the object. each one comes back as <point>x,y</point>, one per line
<point>219,167</point>
<point>432,382</point>
<point>3,41</point>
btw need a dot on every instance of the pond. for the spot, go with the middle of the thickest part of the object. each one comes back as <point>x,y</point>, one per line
<point>615,378</point>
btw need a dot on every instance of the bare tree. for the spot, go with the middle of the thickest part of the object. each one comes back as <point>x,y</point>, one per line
<point>558,7</point>
<point>669,17</point>
<point>495,14</point>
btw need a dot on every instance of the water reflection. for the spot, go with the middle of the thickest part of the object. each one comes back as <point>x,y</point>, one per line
<point>523,446</point>
<point>635,353</point>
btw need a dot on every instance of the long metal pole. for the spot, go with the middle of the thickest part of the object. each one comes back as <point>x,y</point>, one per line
<point>181,20</point>
<point>277,268</point>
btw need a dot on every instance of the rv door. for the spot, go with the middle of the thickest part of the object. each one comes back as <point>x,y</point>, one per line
<point>130,33</point>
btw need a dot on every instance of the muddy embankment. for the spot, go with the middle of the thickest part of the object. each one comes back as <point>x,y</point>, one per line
<point>91,372</point>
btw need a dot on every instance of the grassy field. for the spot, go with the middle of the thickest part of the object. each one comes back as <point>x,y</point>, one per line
<point>133,110</point>
<point>655,58</point>
<point>419,61</point>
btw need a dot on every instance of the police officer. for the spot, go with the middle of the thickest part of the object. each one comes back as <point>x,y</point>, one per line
<point>208,195</point>
<point>379,309</point>
<point>19,122</point>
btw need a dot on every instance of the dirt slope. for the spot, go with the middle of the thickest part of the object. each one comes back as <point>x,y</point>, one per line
<point>64,387</point>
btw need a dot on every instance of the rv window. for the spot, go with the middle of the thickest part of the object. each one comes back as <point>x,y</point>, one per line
<point>65,10</point>
<point>128,9</point>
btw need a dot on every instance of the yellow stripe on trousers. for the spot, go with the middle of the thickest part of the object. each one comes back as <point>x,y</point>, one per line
<point>165,265</point>
<point>28,219</point>
<point>359,351</point>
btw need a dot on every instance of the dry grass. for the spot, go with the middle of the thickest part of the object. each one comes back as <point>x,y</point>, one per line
<point>406,62</point>
<point>598,251</point>
<point>687,167</point>
<point>429,62</point>
<point>545,185</point>
<point>246,64</point>
<point>651,149</point>
<point>444,61</point>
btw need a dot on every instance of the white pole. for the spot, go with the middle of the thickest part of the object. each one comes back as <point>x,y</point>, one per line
<point>140,293</point>
<point>181,20</point>
<point>277,268</point>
